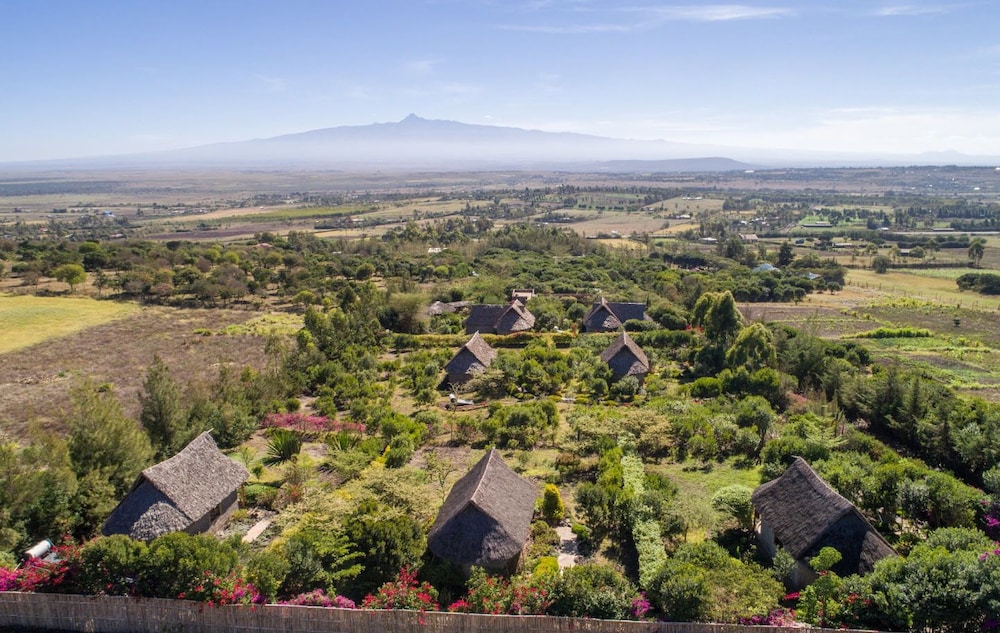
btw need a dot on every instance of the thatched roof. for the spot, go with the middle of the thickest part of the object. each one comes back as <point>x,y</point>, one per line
<point>806,515</point>
<point>475,356</point>
<point>625,357</point>
<point>501,318</point>
<point>486,519</point>
<point>177,492</point>
<point>606,316</point>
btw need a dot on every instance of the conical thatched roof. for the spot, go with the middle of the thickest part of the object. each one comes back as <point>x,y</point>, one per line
<point>177,492</point>
<point>486,519</point>
<point>475,356</point>
<point>625,358</point>
<point>607,316</point>
<point>504,318</point>
<point>806,515</point>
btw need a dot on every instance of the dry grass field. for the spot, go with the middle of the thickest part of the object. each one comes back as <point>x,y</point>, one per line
<point>35,381</point>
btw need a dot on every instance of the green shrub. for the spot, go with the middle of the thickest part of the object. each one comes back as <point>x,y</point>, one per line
<point>594,590</point>
<point>111,566</point>
<point>706,387</point>
<point>552,504</point>
<point>176,563</point>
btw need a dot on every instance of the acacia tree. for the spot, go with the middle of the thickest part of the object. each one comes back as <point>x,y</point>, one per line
<point>977,248</point>
<point>71,274</point>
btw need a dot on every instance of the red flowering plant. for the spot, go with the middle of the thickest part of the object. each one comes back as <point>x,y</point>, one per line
<point>54,574</point>
<point>319,598</point>
<point>522,595</point>
<point>219,590</point>
<point>403,593</point>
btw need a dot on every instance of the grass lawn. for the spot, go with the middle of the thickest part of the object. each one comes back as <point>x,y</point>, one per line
<point>27,320</point>
<point>696,487</point>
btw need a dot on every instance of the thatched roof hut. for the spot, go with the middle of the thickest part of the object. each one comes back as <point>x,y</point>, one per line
<point>499,318</point>
<point>473,358</point>
<point>486,519</point>
<point>803,514</point>
<point>608,316</point>
<point>626,358</point>
<point>193,491</point>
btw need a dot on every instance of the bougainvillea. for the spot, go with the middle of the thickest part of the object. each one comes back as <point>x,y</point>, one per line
<point>217,590</point>
<point>319,598</point>
<point>403,593</point>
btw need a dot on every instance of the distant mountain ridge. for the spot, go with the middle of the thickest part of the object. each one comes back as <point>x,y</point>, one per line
<point>415,143</point>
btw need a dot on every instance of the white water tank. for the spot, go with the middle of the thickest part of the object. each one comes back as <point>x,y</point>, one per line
<point>39,549</point>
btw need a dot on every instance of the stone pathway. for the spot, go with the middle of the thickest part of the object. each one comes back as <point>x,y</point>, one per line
<point>567,547</point>
<point>256,531</point>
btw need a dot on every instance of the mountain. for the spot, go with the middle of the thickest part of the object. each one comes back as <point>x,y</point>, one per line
<point>416,143</point>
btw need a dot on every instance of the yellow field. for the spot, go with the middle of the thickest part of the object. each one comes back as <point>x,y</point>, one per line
<point>27,320</point>
<point>915,286</point>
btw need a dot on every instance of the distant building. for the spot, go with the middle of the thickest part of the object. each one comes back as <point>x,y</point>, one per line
<point>801,513</point>
<point>608,316</point>
<point>473,358</point>
<point>194,491</point>
<point>499,319</point>
<point>749,238</point>
<point>626,358</point>
<point>522,294</point>
<point>486,519</point>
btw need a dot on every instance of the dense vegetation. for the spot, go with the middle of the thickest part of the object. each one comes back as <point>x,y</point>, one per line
<point>351,452</point>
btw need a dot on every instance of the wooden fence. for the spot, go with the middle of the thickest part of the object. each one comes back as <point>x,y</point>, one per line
<point>105,614</point>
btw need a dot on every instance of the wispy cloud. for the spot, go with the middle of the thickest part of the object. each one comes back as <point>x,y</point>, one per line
<point>649,17</point>
<point>271,84</point>
<point>719,12</point>
<point>909,10</point>
<point>421,67</point>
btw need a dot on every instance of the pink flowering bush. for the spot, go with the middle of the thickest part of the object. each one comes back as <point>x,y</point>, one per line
<point>9,579</point>
<point>777,617</point>
<point>309,424</point>
<point>319,598</point>
<point>218,590</point>
<point>403,593</point>
<point>640,606</point>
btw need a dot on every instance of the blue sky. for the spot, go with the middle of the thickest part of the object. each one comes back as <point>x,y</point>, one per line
<point>100,77</point>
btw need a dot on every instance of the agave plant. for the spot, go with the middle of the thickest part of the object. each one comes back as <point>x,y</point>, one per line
<point>283,447</point>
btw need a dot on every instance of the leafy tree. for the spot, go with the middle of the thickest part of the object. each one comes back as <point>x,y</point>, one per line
<point>316,559</point>
<point>71,274</point>
<point>734,500</point>
<point>977,248</point>
<point>163,414</point>
<point>386,541</point>
<point>881,263</point>
<point>716,312</point>
<point>102,439</point>
<point>785,255</point>
<point>753,348</point>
